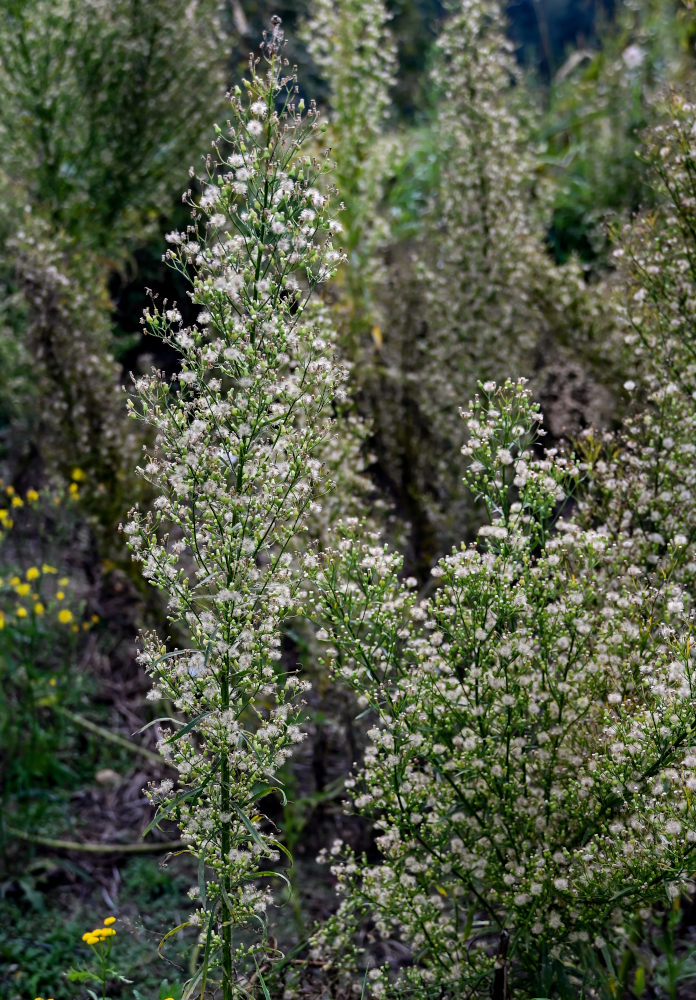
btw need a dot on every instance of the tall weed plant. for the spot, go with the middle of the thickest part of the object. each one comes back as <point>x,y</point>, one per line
<point>475,294</point>
<point>352,46</point>
<point>237,479</point>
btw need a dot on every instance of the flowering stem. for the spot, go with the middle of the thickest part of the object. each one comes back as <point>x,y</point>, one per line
<point>225,844</point>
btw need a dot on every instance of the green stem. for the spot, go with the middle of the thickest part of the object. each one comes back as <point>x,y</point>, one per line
<point>225,847</point>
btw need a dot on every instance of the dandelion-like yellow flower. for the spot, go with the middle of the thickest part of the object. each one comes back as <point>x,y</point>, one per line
<point>90,938</point>
<point>2,619</point>
<point>22,589</point>
<point>78,475</point>
<point>17,502</point>
<point>75,628</point>
<point>109,921</point>
<point>33,573</point>
<point>21,612</point>
<point>4,514</point>
<point>32,496</point>
<point>39,608</point>
<point>52,682</point>
<point>94,619</point>
<point>60,595</point>
<point>74,490</point>
<point>65,616</point>
<point>64,581</point>
<point>45,568</point>
<point>14,580</point>
<point>9,490</point>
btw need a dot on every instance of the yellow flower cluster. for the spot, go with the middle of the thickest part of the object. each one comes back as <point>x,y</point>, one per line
<point>100,934</point>
<point>14,501</point>
<point>24,588</point>
<point>74,488</point>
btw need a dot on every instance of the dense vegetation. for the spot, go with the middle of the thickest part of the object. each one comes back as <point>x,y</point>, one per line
<point>348,541</point>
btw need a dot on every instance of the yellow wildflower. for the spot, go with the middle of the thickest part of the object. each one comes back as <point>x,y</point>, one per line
<point>14,580</point>
<point>65,616</point>
<point>78,475</point>
<point>52,682</point>
<point>2,619</point>
<point>9,490</point>
<point>39,608</point>
<point>74,490</point>
<point>22,589</point>
<point>59,595</point>
<point>90,938</point>
<point>45,568</point>
<point>33,573</point>
<point>94,619</point>
<point>17,502</point>
<point>21,612</point>
<point>64,581</point>
<point>4,513</point>
<point>32,495</point>
<point>109,921</point>
<point>76,628</point>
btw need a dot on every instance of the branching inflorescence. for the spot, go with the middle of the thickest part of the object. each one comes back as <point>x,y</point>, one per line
<point>237,476</point>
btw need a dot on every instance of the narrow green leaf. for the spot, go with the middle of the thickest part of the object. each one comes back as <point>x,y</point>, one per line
<point>174,930</point>
<point>188,727</point>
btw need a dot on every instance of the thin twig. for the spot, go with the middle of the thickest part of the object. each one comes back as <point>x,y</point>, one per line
<point>92,848</point>
<point>106,734</point>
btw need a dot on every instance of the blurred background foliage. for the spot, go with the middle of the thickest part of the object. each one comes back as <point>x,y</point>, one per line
<point>105,105</point>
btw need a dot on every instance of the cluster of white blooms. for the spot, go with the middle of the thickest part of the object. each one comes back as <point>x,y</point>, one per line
<point>237,474</point>
<point>350,42</point>
<point>531,763</point>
